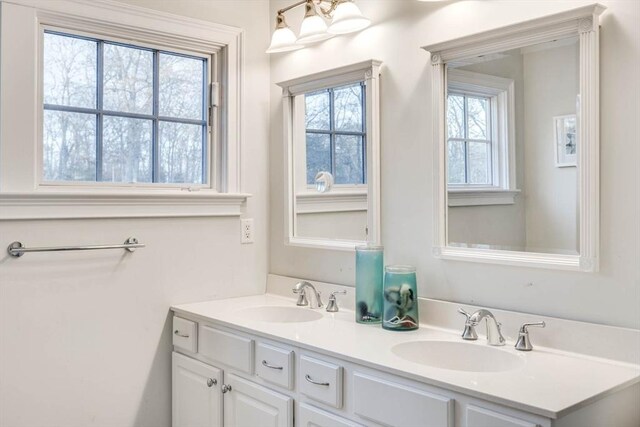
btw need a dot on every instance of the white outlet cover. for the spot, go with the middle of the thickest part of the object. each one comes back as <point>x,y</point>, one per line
<point>246,230</point>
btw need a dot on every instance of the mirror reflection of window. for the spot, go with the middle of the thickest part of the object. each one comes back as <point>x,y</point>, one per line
<point>469,139</point>
<point>336,134</point>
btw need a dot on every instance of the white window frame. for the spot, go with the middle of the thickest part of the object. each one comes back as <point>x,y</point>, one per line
<point>501,92</point>
<point>23,195</point>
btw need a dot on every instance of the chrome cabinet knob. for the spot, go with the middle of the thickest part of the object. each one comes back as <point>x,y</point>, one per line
<point>226,388</point>
<point>524,343</point>
<point>211,382</point>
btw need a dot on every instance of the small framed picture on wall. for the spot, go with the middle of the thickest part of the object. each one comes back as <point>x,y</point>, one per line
<point>566,140</point>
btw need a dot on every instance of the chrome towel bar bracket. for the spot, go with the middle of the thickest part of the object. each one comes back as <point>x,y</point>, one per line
<point>17,249</point>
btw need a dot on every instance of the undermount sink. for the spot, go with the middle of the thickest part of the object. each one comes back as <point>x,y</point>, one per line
<point>279,314</point>
<point>458,356</point>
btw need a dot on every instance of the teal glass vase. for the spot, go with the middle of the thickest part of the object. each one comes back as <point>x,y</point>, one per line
<point>400,298</point>
<point>369,271</point>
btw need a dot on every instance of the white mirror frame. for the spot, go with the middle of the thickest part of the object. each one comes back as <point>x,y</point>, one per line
<point>582,22</point>
<point>369,72</point>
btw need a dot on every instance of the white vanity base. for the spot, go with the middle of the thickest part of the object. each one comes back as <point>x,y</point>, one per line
<point>333,372</point>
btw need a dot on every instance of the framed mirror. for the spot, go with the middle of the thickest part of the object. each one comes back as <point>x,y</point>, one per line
<point>516,143</point>
<point>332,144</point>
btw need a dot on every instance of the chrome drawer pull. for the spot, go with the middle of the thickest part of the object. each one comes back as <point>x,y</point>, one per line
<point>312,381</point>
<point>266,364</point>
<point>177,332</point>
<point>211,382</point>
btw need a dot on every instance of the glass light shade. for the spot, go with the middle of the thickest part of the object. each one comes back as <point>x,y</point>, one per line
<point>313,29</point>
<point>347,18</point>
<point>283,40</point>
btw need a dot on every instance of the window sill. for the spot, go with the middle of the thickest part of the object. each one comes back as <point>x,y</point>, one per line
<point>97,204</point>
<point>482,197</point>
<point>335,201</point>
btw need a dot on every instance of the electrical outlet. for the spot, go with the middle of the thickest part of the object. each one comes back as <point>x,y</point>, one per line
<point>246,230</point>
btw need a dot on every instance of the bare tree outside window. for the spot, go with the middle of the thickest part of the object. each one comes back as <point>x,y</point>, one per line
<point>122,113</point>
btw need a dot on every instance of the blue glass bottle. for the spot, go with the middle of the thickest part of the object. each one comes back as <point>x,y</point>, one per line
<point>369,271</point>
<point>400,298</point>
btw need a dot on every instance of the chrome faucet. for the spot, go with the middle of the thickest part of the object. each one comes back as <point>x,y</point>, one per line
<point>494,335</point>
<point>301,290</point>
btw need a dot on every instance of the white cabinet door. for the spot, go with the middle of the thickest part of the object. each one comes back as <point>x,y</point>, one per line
<point>308,416</point>
<point>197,399</point>
<point>250,405</point>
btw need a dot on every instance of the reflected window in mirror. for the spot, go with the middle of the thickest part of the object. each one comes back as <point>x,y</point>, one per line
<point>331,123</point>
<point>470,142</point>
<point>480,137</point>
<point>336,134</point>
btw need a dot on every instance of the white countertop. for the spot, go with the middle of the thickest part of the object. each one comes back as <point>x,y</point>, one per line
<point>550,383</point>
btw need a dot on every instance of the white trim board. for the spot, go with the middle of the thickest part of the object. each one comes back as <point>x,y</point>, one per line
<point>58,205</point>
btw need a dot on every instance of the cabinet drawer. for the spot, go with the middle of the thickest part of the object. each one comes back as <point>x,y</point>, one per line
<point>308,416</point>
<point>275,365</point>
<point>232,350</point>
<point>321,381</point>
<point>185,334</point>
<point>394,404</point>
<point>482,417</point>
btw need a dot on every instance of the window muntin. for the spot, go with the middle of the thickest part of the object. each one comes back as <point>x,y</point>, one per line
<point>336,134</point>
<point>122,113</point>
<point>470,142</point>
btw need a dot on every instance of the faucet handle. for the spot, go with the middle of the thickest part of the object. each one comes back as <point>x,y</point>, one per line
<point>469,332</point>
<point>332,305</point>
<point>461,311</point>
<point>524,343</point>
<point>302,297</point>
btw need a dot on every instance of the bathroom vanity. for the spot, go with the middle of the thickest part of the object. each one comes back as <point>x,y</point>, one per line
<point>263,361</point>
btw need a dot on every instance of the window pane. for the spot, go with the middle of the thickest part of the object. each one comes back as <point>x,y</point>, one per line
<point>347,108</point>
<point>479,163</point>
<point>181,155</point>
<point>69,71</point>
<point>126,150</point>
<point>181,86</point>
<point>128,79</point>
<point>69,146</point>
<point>455,116</point>
<point>478,115</point>
<point>318,155</point>
<point>456,162</point>
<point>349,160</point>
<point>317,110</point>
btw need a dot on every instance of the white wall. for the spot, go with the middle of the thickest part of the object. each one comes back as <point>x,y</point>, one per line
<point>401,27</point>
<point>551,79</point>
<point>332,225</point>
<point>85,338</point>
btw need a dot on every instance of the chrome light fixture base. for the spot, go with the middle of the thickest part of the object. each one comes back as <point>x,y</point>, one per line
<point>345,18</point>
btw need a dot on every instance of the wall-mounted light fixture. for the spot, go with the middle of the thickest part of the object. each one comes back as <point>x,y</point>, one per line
<point>344,15</point>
